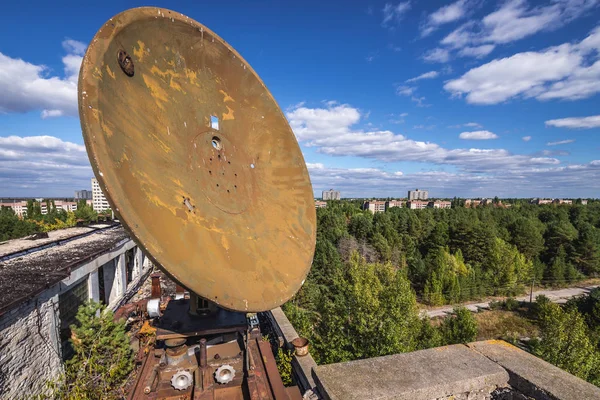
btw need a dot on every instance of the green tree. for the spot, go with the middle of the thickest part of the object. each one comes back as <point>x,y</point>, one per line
<point>372,313</point>
<point>429,335</point>
<point>461,327</point>
<point>103,356</point>
<point>564,341</point>
<point>587,249</point>
<point>85,212</point>
<point>526,234</point>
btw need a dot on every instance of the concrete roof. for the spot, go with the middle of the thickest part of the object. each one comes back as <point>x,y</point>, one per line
<point>27,267</point>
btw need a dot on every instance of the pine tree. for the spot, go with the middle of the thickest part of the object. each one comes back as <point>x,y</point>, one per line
<point>103,356</point>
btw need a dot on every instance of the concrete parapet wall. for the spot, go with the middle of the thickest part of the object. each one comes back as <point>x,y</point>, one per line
<point>483,370</point>
<point>302,367</point>
<point>421,375</point>
<point>533,376</point>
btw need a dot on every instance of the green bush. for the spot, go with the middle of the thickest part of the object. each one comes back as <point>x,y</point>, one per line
<point>284,365</point>
<point>460,327</point>
<point>103,357</point>
<point>511,304</point>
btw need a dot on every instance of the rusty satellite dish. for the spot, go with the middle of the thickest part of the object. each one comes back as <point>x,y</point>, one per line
<point>197,159</point>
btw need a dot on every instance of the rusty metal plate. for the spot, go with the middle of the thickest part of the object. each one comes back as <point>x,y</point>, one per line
<point>197,159</point>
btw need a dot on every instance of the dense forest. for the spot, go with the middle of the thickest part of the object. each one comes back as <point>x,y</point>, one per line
<point>13,227</point>
<point>360,298</point>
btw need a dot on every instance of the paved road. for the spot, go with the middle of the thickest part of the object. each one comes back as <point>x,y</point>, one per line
<point>556,296</point>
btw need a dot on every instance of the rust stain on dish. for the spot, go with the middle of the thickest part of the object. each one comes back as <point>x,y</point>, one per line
<point>225,207</point>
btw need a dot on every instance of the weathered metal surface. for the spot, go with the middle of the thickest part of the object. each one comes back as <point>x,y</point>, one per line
<point>197,159</point>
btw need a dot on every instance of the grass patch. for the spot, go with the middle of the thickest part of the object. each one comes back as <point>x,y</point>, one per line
<point>507,325</point>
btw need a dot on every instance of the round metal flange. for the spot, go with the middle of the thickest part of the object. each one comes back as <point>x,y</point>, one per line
<point>225,374</point>
<point>196,159</point>
<point>181,380</point>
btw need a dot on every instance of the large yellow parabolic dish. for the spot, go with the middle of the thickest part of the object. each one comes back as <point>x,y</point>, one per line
<point>197,159</point>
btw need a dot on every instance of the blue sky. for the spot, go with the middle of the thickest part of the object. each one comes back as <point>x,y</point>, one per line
<point>465,98</point>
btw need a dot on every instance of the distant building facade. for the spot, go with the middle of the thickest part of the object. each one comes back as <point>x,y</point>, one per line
<point>394,203</point>
<point>562,201</point>
<point>19,207</point>
<point>541,201</point>
<point>83,194</point>
<point>374,206</point>
<point>320,204</point>
<point>418,194</point>
<point>331,195</point>
<point>439,204</point>
<point>99,202</point>
<point>417,205</point>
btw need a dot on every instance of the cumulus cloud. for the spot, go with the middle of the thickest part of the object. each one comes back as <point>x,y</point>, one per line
<point>332,131</point>
<point>42,166</point>
<point>576,122</point>
<point>426,75</point>
<point>27,87</point>
<point>560,142</point>
<point>549,181</point>
<point>392,14</point>
<point>478,135</point>
<point>446,14</point>
<point>569,72</point>
<point>526,138</point>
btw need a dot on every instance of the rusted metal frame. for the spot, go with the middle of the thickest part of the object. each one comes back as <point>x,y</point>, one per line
<point>273,376</point>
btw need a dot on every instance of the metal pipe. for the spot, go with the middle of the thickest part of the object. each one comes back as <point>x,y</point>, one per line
<point>150,385</point>
<point>203,360</point>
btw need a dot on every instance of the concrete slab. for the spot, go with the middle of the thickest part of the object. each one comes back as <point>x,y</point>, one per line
<point>535,377</point>
<point>420,375</point>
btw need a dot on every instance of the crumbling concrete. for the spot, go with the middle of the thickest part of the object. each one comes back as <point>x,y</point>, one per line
<point>533,376</point>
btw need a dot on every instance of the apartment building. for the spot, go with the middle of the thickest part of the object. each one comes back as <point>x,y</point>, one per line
<point>99,202</point>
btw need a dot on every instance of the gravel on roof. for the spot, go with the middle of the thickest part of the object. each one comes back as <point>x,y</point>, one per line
<point>24,277</point>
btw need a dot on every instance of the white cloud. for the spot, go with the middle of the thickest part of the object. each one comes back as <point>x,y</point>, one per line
<point>576,122</point>
<point>426,75</point>
<point>468,125</point>
<point>526,138</point>
<point>426,127</point>
<point>560,72</point>
<point>437,55</point>
<point>583,180</point>
<point>394,13</point>
<point>331,131</point>
<point>74,47</point>
<point>477,51</point>
<point>52,113</point>
<point>446,14</point>
<point>42,166</point>
<point>405,90</point>
<point>512,20</point>
<point>560,142</point>
<point>478,135</point>
<point>26,87</point>
<point>404,115</point>
<point>420,101</point>
<point>515,20</point>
